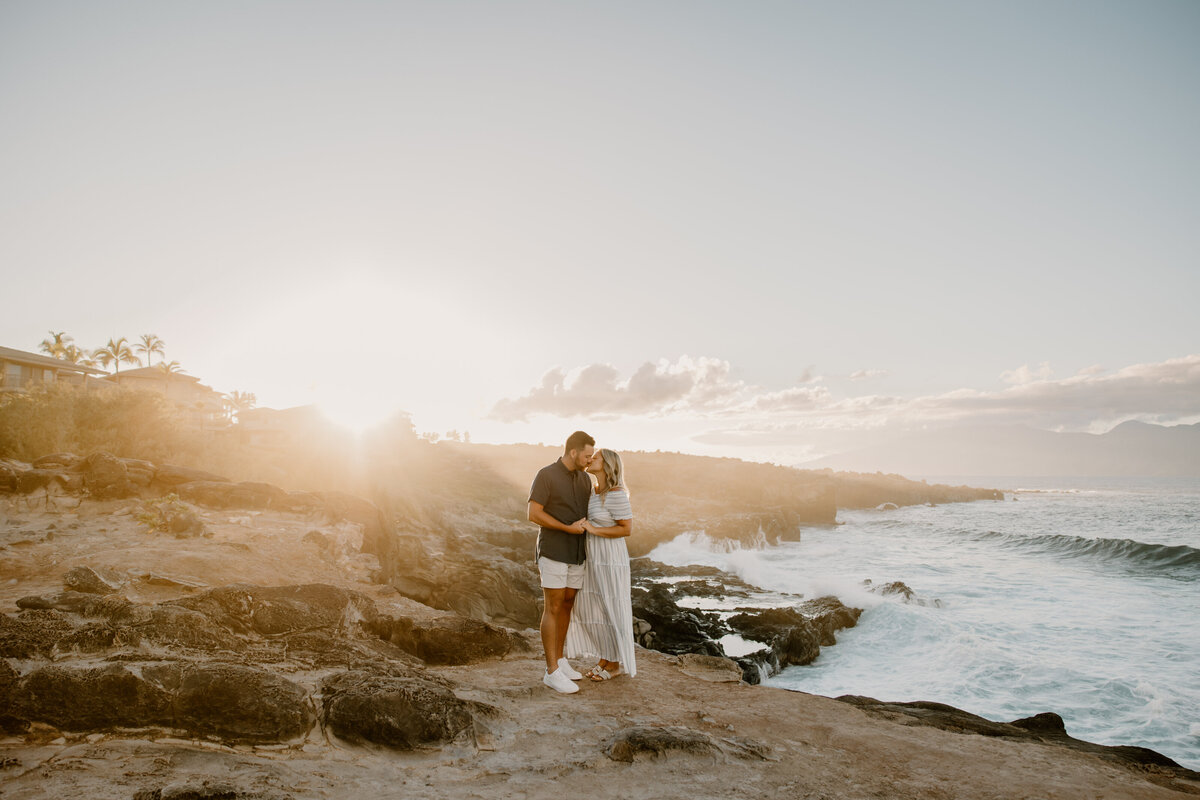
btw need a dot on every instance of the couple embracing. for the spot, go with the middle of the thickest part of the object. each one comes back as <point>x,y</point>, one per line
<point>584,563</point>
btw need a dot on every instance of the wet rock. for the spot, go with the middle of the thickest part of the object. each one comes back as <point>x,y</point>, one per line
<point>677,630</point>
<point>644,743</point>
<point>31,633</point>
<point>106,477</point>
<point>447,640</point>
<point>794,635</point>
<point>234,703</point>
<point>86,579</point>
<point>81,699</point>
<point>400,712</point>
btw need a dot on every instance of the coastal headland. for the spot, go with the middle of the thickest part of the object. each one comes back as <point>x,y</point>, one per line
<point>171,633</point>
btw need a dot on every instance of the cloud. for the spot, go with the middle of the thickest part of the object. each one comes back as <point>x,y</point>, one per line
<point>1167,391</point>
<point>655,388</point>
<point>1023,374</point>
<point>866,374</point>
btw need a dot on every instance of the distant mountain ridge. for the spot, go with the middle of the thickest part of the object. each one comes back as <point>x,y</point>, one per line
<point>1129,449</point>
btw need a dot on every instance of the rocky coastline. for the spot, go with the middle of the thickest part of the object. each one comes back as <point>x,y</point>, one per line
<point>170,633</point>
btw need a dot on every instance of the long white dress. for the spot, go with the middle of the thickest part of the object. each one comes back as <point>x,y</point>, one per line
<point>602,620</point>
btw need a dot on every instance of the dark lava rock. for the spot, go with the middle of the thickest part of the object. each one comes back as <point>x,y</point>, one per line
<point>31,633</point>
<point>8,682</point>
<point>57,461</point>
<point>447,640</point>
<point>86,579</point>
<point>172,475</point>
<point>234,703</point>
<point>206,789</point>
<point>33,479</point>
<point>99,698</point>
<point>794,635</point>
<point>467,576</point>
<point>223,494</point>
<point>400,712</point>
<point>106,477</point>
<point>1047,727</point>
<point>677,630</point>
<point>272,610</point>
<point>652,743</point>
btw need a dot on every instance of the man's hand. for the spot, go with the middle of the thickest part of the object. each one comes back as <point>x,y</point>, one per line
<point>578,527</point>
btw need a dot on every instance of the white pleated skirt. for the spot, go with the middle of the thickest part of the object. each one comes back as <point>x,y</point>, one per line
<point>602,620</point>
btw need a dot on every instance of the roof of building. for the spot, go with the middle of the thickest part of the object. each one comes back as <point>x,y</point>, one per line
<point>151,372</point>
<point>9,354</point>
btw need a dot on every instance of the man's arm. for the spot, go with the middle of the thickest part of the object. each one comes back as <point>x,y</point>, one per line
<point>536,514</point>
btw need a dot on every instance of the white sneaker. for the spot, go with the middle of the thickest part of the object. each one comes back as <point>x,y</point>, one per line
<point>565,668</point>
<point>559,682</point>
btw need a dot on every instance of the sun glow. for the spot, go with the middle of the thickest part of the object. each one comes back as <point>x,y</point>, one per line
<point>365,348</point>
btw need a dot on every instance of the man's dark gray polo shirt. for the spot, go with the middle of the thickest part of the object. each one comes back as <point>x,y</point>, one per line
<point>564,495</point>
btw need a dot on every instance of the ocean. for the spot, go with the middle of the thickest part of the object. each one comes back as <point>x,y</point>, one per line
<point>1081,596</point>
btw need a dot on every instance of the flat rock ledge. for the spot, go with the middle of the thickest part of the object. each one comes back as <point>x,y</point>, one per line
<point>1046,727</point>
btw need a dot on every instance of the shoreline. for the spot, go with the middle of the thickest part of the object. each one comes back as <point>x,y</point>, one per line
<point>170,610</point>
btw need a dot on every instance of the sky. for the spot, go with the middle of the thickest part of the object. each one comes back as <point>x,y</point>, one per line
<point>769,230</point>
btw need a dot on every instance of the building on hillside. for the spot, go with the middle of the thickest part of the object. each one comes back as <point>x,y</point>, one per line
<point>202,406</point>
<point>20,371</point>
<point>277,428</point>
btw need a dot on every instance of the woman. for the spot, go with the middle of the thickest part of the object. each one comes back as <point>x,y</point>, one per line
<point>602,621</point>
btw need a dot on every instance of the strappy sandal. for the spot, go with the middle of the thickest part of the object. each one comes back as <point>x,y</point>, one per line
<point>599,673</point>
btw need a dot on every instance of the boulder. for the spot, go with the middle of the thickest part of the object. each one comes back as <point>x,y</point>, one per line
<point>105,476</point>
<point>274,610</point>
<point>400,712</point>
<point>86,579</point>
<point>57,461</point>
<point>8,682</point>
<point>172,475</point>
<point>677,630</point>
<point>31,480</point>
<point>449,639</point>
<point>91,699</point>
<point>234,703</point>
<point>223,494</point>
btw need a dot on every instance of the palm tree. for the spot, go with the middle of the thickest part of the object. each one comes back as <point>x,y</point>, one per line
<point>56,346</point>
<point>168,368</point>
<point>73,354</point>
<point>151,344</point>
<point>88,358</point>
<point>240,401</point>
<point>115,352</point>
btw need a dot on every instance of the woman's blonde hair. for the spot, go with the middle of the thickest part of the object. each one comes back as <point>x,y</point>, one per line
<point>613,476</point>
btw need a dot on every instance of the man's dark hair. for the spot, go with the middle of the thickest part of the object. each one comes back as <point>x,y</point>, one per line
<point>577,441</point>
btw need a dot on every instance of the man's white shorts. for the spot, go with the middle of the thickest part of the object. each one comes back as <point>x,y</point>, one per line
<point>557,575</point>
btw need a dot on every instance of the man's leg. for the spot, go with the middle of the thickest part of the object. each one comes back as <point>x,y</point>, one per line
<point>551,642</point>
<point>565,607</point>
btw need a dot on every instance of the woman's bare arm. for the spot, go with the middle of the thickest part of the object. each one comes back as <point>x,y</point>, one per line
<point>623,528</point>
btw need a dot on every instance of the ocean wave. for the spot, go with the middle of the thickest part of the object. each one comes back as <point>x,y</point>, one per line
<point>1128,551</point>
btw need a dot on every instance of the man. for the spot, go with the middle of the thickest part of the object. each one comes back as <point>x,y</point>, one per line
<point>558,502</point>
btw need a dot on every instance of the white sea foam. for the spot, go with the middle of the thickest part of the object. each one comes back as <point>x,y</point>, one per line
<point>1034,619</point>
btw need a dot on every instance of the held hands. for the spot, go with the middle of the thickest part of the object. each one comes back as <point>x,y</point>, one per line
<point>580,527</point>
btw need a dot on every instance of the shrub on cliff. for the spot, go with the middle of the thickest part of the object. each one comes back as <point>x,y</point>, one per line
<point>129,423</point>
